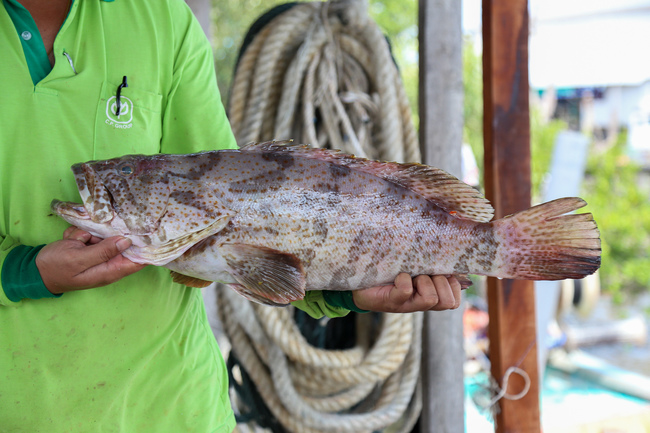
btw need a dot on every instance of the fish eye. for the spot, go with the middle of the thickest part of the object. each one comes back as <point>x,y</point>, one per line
<point>125,169</point>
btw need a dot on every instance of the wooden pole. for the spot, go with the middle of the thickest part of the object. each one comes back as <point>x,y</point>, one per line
<point>511,303</point>
<point>441,134</point>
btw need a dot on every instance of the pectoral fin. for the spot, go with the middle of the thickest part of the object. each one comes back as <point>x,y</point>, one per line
<point>265,273</point>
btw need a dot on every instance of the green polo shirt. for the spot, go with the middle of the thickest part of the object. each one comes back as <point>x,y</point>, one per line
<point>138,355</point>
<point>30,38</point>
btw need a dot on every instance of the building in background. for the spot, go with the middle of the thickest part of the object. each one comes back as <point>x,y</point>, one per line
<point>589,65</point>
<point>592,56</point>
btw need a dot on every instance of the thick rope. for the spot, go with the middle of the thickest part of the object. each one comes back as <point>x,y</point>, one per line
<point>332,64</point>
<point>382,381</point>
<point>322,73</point>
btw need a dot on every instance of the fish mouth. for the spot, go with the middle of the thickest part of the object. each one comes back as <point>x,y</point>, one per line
<point>67,209</point>
<point>76,214</point>
<point>70,211</point>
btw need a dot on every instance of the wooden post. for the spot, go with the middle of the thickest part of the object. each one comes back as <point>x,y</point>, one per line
<point>511,303</point>
<point>441,135</point>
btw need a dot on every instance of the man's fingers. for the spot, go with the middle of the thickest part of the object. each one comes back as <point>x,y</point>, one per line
<point>447,298</point>
<point>403,290</point>
<point>108,272</point>
<point>408,294</point>
<point>66,233</point>
<point>456,289</point>
<point>94,240</point>
<point>427,293</point>
<point>76,234</point>
<point>103,251</point>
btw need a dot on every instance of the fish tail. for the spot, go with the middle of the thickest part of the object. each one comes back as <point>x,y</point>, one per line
<point>542,243</point>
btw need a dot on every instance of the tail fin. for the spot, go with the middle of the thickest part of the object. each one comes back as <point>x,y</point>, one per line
<point>542,243</point>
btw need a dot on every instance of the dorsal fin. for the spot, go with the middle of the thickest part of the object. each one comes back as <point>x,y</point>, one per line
<point>433,184</point>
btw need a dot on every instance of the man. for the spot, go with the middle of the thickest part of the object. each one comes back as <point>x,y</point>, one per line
<point>136,355</point>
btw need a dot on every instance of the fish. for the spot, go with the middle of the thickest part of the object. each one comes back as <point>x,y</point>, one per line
<point>275,219</point>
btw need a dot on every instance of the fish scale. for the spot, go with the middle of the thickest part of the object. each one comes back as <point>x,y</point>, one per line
<point>275,219</point>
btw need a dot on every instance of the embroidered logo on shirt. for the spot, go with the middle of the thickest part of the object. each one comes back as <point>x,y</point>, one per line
<point>124,119</point>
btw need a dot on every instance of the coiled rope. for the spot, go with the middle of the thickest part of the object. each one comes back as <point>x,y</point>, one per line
<point>363,389</point>
<point>322,73</point>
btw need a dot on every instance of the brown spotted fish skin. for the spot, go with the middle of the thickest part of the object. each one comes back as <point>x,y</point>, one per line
<point>276,219</point>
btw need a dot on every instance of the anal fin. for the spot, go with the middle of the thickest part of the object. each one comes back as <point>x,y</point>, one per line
<point>464,281</point>
<point>189,281</point>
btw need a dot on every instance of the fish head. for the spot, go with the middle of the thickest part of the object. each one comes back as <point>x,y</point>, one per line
<point>130,193</point>
<point>157,201</point>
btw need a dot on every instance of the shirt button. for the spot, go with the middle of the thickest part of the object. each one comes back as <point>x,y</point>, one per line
<point>26,35</point>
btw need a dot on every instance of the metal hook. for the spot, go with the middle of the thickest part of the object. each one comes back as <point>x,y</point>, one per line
<point>117,97</point>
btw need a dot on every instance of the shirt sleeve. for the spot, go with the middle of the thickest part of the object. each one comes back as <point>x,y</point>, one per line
<point>7,244</point>
<point>315,305</point>
<point>194,118</point>
<point>20,276</point>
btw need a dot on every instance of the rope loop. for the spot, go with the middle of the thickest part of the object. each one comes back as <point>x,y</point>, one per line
<point>502,392</point>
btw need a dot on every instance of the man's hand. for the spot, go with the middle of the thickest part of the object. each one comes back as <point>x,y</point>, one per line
<point>407,295</point>
<point>82,261</point>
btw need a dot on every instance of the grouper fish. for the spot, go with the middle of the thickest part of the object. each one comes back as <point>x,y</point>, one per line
<point>275,219</point>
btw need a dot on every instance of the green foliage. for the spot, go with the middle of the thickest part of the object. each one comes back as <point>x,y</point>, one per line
<point>398,20</point>
<point>231,20</point>
<point>542,140</point>
<point>473,101</point>
<point>619,202</point>
<point>542,133</point>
